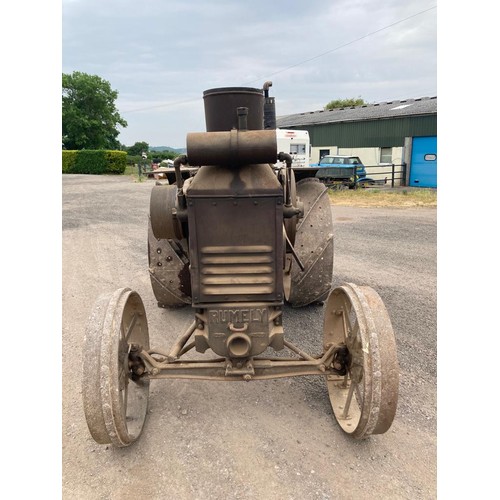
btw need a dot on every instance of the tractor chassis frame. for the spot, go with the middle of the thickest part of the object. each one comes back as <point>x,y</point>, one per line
<point>158,364</point>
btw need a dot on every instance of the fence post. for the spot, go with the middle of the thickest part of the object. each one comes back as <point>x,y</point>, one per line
<point>404,173</point>
<point>392,177</point>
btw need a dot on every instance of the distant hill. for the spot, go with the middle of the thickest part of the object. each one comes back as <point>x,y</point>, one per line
<point>161,149</point>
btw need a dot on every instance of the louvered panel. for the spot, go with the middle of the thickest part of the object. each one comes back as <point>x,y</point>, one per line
<point>230,270</point>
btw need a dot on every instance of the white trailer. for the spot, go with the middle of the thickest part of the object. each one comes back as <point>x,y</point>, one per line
<point>296,143</point>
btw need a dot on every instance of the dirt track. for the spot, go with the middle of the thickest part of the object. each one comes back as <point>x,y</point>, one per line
<point>267,439</point>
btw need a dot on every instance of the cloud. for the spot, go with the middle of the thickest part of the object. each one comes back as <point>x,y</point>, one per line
<point>161,56</point>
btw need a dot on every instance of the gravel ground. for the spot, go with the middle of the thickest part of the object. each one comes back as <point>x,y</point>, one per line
<point>268,439</point>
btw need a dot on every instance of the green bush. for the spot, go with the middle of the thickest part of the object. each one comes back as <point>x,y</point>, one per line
<point>90,162</point>
<point>95,162</point>
<point>68,161</point>
<point>116,162</point>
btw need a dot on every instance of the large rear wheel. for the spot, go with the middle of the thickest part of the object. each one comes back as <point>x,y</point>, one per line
<point>167,250</point>
<point>169,270</point>
<point>313,246</point>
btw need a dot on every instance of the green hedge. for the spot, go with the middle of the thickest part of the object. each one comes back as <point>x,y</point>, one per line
<point>68,161</point>
<point>95,162</point>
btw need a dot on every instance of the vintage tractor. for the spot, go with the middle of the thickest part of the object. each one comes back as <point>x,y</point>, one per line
<point>236,241</point>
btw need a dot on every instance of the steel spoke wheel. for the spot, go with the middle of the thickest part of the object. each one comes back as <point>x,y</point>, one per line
<point>364,390</point>
<point>115,397</point>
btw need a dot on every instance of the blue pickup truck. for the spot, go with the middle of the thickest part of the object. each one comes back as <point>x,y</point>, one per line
<point>341,171</point>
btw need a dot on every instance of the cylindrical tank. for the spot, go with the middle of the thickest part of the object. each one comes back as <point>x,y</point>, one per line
<point>231,149</point>
<point>221,108</point>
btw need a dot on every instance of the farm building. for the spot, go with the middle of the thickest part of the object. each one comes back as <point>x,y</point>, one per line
<point>403,133</point>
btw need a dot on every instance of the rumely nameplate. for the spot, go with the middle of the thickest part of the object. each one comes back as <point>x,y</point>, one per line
<point>238,317</point>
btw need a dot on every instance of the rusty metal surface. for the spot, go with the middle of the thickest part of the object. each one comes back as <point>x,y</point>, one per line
<point>364,401</point>
<point>235,256</point>
<point>256,369</point>
<point>169,270</point>
<point>91,383</point>
<point>239,330</point>
<point>221,105</point>
<point>234,364</point>
<point>291,222</point>
<point>247,181</point>
<point>232,149</point>
<point>162,211</point>
<point>186,173</point>
<point>313,245</point>
<point>235,219</point>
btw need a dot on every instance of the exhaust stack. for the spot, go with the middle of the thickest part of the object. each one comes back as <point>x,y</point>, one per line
<point>269,108</point>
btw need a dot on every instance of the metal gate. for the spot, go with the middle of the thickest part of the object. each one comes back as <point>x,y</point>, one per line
<point>423,169</point>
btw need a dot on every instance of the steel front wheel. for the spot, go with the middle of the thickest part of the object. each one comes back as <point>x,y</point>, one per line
<point>115,396</point>
<point>364,391</point>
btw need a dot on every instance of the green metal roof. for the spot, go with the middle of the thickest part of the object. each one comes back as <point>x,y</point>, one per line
<point>372,125</point>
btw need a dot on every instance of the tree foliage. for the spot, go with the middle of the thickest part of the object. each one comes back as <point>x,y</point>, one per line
<point>138,148</point>
<point>164,155</point>
<point>89,115</point>
<point>345,103</point>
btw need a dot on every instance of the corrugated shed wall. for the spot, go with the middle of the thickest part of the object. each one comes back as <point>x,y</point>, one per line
<point>374,133</point>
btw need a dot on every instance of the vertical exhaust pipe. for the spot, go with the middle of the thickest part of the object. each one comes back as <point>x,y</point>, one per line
<point>269,108</point>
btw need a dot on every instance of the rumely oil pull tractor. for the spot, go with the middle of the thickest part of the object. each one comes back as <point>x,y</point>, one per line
<point>236,240</point>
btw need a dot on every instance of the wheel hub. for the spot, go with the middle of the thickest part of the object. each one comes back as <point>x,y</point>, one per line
<point>341,360</point>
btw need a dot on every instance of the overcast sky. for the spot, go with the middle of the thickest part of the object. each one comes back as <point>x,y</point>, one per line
<point>160,55</point>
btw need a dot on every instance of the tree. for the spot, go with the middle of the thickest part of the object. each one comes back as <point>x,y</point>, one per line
<point>138,148</point>
<point>89,114</point>
<point>345,103</point>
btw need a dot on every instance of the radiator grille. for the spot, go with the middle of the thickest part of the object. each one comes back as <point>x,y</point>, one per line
<point>237,270</point>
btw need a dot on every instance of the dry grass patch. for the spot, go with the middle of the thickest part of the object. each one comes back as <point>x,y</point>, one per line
<point>373,197</point>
